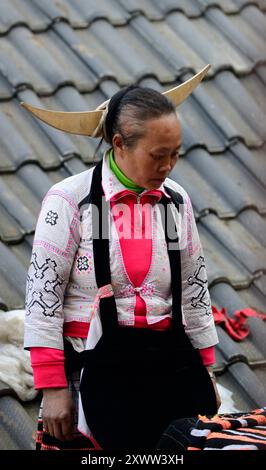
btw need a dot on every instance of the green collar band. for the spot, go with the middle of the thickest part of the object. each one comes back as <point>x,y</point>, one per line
<point>129,184</point>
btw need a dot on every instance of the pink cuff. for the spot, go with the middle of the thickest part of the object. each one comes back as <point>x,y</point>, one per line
<point>208,356</point>
<point>48,368</point>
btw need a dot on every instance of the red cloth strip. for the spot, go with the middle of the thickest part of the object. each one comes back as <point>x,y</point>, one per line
<point>236,325</point>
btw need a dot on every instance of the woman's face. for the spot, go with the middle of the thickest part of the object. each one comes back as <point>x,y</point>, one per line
<point>154,155</point>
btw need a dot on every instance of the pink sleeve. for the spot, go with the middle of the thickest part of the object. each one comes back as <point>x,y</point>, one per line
<point>48,368</point>
<point>208,355</point>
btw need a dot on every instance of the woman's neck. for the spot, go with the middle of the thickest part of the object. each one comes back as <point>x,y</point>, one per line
<point>128,183</point>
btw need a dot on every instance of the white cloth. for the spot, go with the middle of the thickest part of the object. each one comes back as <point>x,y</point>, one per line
<point>15,367</point>
<point>95,333</point>
<point>227,402</point>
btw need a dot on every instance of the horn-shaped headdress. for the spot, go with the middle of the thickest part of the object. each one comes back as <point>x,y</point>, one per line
<point>90,123</point>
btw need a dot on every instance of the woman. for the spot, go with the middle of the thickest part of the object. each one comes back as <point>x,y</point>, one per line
<point>114,249</point>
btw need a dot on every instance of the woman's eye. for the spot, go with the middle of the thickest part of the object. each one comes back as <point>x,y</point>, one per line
<point>157,157</point>
<point>161,157</point>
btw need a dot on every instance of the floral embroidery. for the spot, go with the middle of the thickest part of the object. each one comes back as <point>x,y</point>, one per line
<point>163,260</point>
<point>146,289</point>
<point>127,290</point>
<point>51,218</point>
<point>84,263</point>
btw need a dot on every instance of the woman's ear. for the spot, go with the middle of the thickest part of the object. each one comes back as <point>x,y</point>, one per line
<point>117,144</point>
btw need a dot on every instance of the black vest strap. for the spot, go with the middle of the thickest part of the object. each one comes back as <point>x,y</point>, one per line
<point>100,234</point>
<point>175,261</point>
<point>100,224</point>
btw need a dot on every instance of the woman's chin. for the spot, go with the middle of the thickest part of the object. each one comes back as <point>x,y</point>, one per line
<point>155,184</point>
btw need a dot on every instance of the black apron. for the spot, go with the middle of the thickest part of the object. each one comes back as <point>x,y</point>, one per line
<point>136,380</point>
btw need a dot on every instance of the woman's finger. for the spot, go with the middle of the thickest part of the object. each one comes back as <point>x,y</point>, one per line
<point>57,431</point>
<point>68,427</point>
<point>49,427</point>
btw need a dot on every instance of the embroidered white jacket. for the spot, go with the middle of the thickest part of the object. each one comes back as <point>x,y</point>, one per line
<point>61,285</point>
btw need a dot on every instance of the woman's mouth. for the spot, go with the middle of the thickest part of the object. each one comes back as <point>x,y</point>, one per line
<point>159,180</point>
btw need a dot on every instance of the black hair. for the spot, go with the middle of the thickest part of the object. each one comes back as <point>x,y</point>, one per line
<point>129,108</point>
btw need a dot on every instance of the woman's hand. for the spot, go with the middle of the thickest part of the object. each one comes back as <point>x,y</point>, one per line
<point>58,413</point>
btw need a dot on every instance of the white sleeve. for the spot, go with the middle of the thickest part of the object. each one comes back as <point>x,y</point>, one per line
<point>55,244</point>
<point>196,302</point>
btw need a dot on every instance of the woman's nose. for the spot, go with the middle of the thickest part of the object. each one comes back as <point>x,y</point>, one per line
<point>166,167</point>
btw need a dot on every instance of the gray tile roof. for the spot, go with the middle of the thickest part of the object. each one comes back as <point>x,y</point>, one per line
<point>72,56</point>
<point>17,422</point>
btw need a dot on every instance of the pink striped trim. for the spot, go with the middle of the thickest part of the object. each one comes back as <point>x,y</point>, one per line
<point>191,249</point>
<point>103,292</point>
<point>189,211</point>
<point>72,239</point>
<point>50,247</point>
<point>95,443</point>
<point>58,192</point>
